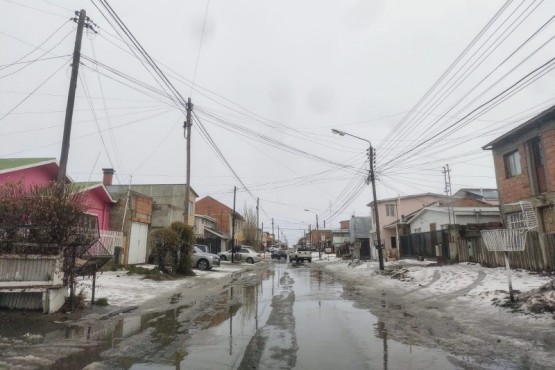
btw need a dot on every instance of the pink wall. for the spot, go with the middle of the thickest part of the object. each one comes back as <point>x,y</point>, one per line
<point>96,203</point>
<point>405,207</point>
<point>29,176</point>
<point>96,199</point>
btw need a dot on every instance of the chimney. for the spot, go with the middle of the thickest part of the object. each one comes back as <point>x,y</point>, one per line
<point>108,175</point>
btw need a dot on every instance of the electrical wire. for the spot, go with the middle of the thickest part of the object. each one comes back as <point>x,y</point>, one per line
<point>33,91</point>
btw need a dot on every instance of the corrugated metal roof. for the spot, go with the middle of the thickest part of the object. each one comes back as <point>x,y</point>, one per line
<point>13,163</point>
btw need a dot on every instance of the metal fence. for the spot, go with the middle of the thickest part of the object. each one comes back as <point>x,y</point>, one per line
<point>424,244</point>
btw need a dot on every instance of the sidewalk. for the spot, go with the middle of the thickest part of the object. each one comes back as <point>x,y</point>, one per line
<point>122,289</point>
<point>481,287</point>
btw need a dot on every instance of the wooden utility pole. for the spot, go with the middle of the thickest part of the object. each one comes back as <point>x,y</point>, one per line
<point>273,235</point>
<point>379,245</point>
<point>187,128</point>
<point>233,225</point>
<point>82,17</point>
<point>258,241</point>
<point>71,97</point>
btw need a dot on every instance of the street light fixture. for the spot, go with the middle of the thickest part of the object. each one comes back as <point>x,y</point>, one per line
<point>372,176</point>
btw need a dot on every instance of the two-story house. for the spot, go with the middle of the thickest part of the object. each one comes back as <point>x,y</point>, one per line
<point>206,233</point>
<point>223,215</point>
<point>390,211</point>
<point>524,160</point>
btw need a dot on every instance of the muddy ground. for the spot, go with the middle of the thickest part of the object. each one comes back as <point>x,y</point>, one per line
<point>443,321</point>
<point>32,340</point>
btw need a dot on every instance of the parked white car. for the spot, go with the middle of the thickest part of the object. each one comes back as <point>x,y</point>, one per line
<point>242,253</point>
<point>203,260</point>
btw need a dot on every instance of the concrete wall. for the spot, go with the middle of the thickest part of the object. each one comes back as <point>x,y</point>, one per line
<point>32,282</point>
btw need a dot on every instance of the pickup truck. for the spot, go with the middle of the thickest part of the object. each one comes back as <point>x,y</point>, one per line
<point>300,255</point>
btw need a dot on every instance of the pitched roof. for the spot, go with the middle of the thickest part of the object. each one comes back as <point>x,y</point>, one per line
<point>408,197</point>
<point>116,188</point>
<point>91,185</point>
<point>547,114</point>
<point>486,193</point>
<point>12,164</point>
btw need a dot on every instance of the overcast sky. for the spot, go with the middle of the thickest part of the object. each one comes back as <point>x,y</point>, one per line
<point>271,78</point>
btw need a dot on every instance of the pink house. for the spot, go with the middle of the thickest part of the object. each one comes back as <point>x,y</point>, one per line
<point>42,171</point>
<point>24,283</point>
<point>391,210</point>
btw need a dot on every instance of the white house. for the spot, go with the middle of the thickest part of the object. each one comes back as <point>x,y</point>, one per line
<point>436,217</point>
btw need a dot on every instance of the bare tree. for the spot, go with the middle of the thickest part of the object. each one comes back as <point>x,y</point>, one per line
<point>250,230</point>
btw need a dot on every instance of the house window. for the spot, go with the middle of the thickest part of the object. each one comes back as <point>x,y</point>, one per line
<point>537,160</point>
<point>190,208</point>
<point>512,163</point>
<point>390,210</point>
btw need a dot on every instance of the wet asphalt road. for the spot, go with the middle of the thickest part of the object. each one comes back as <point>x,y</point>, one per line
<point>286,317</point>
<point>274,316</point>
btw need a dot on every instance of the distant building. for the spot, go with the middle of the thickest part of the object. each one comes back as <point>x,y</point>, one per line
<point>490,196</point>
<point>223,215</point>
<point>359,235</point>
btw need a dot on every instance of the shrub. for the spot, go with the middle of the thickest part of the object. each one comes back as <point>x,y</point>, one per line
<point>164,247</point>
<point>186,237</point>
<point>101,302</point>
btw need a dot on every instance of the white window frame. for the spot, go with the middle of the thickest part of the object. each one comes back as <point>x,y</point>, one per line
<point>390,210</point>
<point>511,161</point>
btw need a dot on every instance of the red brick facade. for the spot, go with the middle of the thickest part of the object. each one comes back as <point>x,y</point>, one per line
<point>209,206</point>
<point>512,189</point>
<point>344,225</point>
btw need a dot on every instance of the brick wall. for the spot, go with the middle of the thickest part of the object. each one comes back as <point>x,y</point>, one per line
<point>519,187</point>
<point>513,188</point>
<point>548,142</point>
<point>209,206</point>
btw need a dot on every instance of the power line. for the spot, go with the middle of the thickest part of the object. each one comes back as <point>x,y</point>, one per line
<point>33,91</point>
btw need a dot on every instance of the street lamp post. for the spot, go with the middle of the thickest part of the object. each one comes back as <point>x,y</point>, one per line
<point>372,176</point>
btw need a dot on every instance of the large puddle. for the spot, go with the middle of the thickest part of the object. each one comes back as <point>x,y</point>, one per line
<point>286,317</point>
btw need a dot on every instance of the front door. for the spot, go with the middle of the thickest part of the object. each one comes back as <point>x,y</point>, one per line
<point>137,243</point>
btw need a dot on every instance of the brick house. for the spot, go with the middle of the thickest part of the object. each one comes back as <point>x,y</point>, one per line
<point>524,160</point>
<point>223,215</point>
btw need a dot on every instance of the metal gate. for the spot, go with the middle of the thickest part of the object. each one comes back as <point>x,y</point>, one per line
<point>424,244</point>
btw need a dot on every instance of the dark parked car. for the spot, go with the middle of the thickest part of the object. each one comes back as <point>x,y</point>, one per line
<point>279,254</point>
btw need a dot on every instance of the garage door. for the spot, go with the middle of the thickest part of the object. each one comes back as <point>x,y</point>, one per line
<point>137,243</point>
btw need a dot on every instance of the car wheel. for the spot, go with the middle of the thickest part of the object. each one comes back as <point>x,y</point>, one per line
<point>223,258</point>
<point>250,260</point>
<point>202,265</point>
